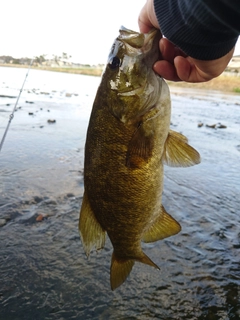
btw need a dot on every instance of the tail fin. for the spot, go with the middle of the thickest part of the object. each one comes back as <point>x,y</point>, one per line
<point>145,259</point>
<point>120,269</point>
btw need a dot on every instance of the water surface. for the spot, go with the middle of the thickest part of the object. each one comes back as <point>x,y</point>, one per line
<point>44,273</point>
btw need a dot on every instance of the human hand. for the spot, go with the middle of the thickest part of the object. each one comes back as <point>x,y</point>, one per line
<point>175,64</point>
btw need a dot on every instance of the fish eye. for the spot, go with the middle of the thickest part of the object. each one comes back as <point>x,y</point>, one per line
<point>114,63</point>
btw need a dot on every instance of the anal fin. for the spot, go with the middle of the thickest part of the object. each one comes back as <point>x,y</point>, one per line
<point>164,226</point>
<point>92,234</point>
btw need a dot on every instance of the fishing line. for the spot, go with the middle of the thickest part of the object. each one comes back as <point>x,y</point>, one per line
<point>14,109</point>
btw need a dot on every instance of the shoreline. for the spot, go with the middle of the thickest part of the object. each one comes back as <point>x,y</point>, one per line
<point>226,82</point>
<point>88,71</point>
<point>223,83</point>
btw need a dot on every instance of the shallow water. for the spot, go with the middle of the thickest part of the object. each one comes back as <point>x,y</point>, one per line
<point>43,270</point>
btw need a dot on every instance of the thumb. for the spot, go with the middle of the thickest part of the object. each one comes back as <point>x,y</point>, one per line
<point>147,18</point>
<point>143,21</point>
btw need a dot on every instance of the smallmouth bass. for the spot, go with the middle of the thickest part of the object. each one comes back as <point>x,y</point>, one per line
<point>128,141</point>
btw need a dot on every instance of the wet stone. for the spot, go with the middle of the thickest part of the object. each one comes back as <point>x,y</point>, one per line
<point>50,201</point>
<point>70,195</point>
<point>212,126</point>
<point>216,126</point>
<point>6,96</point>
<point>37,199</point>
<point>3,222</point>
<point>40,217</point>
<point>51,121</point>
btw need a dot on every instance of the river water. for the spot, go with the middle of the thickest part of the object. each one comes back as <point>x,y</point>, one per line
<point>44,273</point>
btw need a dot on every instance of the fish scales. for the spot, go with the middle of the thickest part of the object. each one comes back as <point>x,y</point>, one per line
<point>128,140</point>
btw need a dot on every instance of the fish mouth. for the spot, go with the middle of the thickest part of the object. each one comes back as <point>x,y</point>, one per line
<point>135,39</point>
<point>149,37</point>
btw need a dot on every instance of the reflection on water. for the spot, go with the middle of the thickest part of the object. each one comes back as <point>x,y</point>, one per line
<point>44,273</point>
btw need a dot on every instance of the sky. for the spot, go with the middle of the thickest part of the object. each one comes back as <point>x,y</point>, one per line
<point>83,29</point>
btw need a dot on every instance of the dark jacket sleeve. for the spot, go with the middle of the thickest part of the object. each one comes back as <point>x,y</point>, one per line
<point>203,29</point>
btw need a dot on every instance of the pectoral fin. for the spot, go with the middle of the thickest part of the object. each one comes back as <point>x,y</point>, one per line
<point>178,153</point>
<point>165,226</point>
<point>140,147</point>
<point>91,232</point>
<point>178,135</point>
